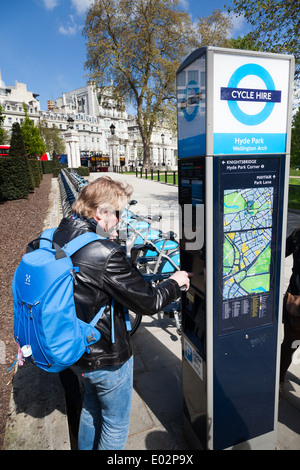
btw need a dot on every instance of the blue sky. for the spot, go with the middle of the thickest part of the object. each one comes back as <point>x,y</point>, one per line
<point>42,43</point>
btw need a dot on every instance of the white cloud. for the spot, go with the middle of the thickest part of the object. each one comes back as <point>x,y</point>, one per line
<point>184,4</point>
<point>81,5</point>
<point>238,22</point>
<point>50,4</point>
<point>70,29</point>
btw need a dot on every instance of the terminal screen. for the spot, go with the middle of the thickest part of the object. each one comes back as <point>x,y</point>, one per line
<point>192,201</point>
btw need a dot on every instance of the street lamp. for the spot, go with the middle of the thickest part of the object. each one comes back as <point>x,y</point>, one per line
<point>70,122</point>
<point>112,129</point>
<point>163,150</point>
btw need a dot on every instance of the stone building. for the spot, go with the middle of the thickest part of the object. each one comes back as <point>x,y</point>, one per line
<point>86,118</point>
<point>12,99</point>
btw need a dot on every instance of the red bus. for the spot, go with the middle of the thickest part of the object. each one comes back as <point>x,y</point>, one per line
<point>4,149</point>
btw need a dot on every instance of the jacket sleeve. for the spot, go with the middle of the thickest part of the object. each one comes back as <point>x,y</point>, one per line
<point>290,244</point>
<point>126,285</point>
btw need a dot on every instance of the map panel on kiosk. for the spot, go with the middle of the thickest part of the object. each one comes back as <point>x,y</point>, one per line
<point>248,220</point>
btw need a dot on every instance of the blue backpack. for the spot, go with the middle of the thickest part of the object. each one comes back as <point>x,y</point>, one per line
<point>46,326</point>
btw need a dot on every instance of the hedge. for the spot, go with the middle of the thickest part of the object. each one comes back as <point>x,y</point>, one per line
<point>35,169</point>
<point>82,171</point>
<point>18,176</point>
<point>21,175</point>
<point>13,178</point>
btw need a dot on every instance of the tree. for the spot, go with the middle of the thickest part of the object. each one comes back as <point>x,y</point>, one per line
<point>295,150</point>
<point>214,30</point>
<point>3,133</point>
<point>139,44</point>
<point>276,25</point>
<point>246,43</point>
<point>19,171</point>
<point>17,146</point>
<point>51,136</point>
<point>33,141</point>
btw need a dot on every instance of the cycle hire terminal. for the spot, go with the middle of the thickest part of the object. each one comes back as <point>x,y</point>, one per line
<point>234,125</point>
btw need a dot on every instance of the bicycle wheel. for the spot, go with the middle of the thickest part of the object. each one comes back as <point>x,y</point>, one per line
<point>135,321</point>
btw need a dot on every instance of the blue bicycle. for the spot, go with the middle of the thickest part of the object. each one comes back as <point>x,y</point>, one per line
<point>155,254</point>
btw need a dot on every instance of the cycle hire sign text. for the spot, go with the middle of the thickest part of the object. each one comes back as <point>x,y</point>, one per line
<point>250,105</point>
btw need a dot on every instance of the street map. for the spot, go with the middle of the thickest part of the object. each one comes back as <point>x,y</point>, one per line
<point>247,241</point>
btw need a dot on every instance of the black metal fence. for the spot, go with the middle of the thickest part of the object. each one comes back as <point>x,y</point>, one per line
<point>168,177</point>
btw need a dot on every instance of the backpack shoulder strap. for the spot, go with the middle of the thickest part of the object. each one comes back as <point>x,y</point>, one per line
<point>48,233</point>
<point>99,315</point>
<point>81,241</point>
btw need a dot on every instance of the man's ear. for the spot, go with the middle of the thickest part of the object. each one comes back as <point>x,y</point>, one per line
<point>100,214</point>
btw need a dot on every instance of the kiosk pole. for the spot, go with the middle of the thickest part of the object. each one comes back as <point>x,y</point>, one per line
<point>234,127</point>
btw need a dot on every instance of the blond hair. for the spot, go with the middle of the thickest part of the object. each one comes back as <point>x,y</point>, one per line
<point>104,192</point>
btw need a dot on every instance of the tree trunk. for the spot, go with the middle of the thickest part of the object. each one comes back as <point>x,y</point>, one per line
<point>146,138</point>
<point>146,160</point>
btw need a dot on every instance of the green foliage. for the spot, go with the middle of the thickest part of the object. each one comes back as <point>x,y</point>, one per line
<point>17,146</point>
<point>3,133</point>
<point>294,196</point>
<point>35,171</point>
<point>214,30</point>
<point>33,141</point>
<point>295,150</point>
<point>17,181</point>
<point>139,44</point>
<point>83,171</point>
<point>18,175</point>
<point>275,23</point>
<point>8,170</point>
<point>245,43</point>
<point>53,141</point>
<point>51,166</point>
<point>47,167</point>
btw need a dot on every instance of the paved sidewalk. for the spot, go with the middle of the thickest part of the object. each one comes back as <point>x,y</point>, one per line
<point>38,416</point>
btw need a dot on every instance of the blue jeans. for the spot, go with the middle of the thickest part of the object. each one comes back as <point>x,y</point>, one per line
<point>105,414</point>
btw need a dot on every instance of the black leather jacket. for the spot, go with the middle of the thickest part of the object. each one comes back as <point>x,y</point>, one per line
<point>293,247</point>
<point>104,273</point>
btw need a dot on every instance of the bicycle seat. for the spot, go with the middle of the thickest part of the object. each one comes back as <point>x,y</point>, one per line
<point>137,248</point>
<point>155,218</point>
<point>169,235</point>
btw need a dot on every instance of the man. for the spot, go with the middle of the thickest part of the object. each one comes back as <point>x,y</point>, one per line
<point>291,334</point>
<point>106,277</point>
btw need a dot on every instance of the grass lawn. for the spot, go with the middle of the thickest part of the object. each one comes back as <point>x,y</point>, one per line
<point>294,186</point>
<point>294,190</point>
